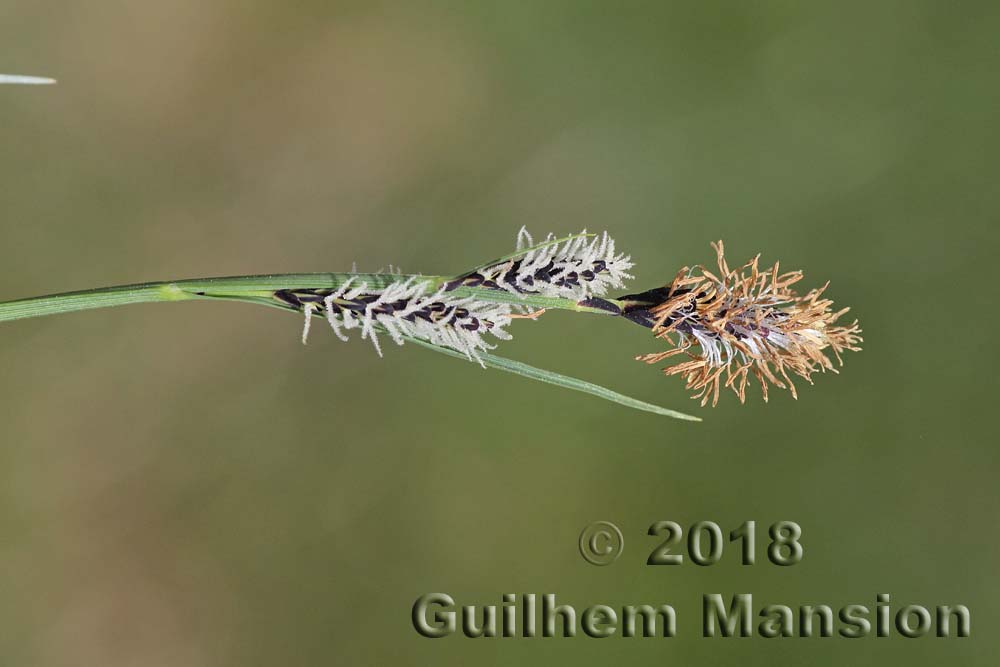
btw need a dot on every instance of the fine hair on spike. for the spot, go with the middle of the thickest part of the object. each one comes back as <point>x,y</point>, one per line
<point>307,309</point>
<point>579,267</point>
<point>402,309</point>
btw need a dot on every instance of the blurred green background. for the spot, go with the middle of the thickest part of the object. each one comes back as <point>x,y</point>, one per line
<point>188,485</point>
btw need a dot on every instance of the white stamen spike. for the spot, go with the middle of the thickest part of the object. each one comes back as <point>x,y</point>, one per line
<point>308,310</point>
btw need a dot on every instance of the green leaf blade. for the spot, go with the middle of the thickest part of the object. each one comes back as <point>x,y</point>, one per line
<point>559,380</point>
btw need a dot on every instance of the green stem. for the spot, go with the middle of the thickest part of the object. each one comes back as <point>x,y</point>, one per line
<point>250,289</point>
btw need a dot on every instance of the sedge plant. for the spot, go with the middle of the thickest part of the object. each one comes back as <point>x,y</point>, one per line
<point>727,327</point>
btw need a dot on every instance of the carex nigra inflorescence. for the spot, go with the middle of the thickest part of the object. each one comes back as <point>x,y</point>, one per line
<point>725,326</point>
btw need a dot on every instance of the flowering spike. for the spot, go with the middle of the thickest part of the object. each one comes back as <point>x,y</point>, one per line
<point>404,309</point>
<point>740,323</point>
<point>578,268</point>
